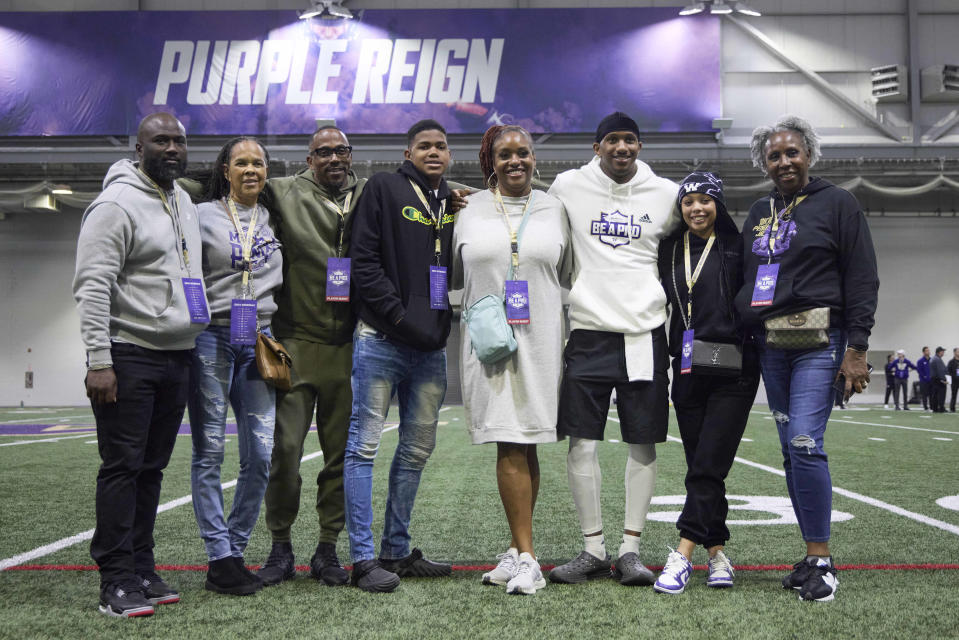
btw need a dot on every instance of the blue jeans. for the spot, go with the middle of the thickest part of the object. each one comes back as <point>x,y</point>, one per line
<point>382,368</point>
<point>799,389</point>
<point>223,371</point>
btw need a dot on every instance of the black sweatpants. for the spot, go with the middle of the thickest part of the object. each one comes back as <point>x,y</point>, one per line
<point>712,413</point>
<point>135,436</point>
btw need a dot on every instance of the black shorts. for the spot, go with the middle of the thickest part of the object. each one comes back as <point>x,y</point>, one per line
<point>595,364</point>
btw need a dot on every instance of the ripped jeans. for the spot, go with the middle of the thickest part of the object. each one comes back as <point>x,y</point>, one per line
<point>224,372</point>
<point>800,395</point>
<point>382,369</point>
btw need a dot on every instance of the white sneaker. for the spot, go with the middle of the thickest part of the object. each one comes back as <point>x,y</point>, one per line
<point>675,574</point>
<point>720,571</point>
<point>528,579</point>
<point>505,569</point>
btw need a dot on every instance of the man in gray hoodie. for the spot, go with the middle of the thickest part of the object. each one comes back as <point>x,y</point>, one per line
<point>139,292</point>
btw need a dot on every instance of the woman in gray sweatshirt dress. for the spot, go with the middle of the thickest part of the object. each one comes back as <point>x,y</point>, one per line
<point>514,401</point>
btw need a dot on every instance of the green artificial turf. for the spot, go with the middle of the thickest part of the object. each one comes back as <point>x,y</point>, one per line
<point>46,494</point>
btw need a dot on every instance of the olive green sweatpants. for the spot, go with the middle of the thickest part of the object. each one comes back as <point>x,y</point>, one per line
<point>321,382</point>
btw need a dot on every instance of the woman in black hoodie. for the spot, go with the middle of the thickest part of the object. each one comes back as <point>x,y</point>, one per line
<point>715,375</point>
<point>808,262</point>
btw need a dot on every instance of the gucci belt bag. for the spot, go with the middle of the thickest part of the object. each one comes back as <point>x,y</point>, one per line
<point>802,330</point>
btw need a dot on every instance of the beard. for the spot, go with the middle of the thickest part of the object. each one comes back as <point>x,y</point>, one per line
<point>160,171</point>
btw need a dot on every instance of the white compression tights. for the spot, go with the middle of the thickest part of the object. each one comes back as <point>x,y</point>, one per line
<point>586,478</point>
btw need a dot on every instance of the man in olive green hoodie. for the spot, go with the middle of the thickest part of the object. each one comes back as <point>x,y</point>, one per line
<point>314,322</point>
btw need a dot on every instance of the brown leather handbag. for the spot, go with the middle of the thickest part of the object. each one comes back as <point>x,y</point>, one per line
<point>273,362</point>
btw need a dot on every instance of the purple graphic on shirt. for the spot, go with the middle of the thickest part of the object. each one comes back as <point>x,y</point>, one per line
<point>616,229</point>
<point>263,247</point>
<point>787,229</point>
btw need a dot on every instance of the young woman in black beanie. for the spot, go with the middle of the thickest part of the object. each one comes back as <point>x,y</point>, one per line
<point>715,372</point>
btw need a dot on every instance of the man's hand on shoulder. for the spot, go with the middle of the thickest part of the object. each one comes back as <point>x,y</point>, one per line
<point>458,199</point>
<point>102,386</point>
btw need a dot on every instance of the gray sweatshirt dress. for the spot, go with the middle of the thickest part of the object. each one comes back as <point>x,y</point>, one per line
<point>516,399</point>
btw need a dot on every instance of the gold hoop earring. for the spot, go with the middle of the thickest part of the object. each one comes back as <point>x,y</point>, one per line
<point>492,181</point>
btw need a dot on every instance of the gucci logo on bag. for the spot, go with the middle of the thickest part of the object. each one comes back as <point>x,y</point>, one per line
<point>796,319</point>
<point>715,356</point>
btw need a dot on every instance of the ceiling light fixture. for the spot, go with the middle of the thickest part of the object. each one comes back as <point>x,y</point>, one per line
<point>745,9</point>
<point>692,9</point>
<point>720,8</point>
<point>329,9</point>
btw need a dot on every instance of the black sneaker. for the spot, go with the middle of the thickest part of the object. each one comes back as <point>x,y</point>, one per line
<point>368,575</point>
<point>821,583</point>
<point>279,565</point>
<point>797,578</point>
<point>583,567</point>
<point>124,601</point>
<point>416,566</point>
<point>326,567</point>
<point>156,590</point>
<point>224,576</point>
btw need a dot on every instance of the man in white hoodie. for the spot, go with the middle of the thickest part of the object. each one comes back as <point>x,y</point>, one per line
<point>618,212</point>
<point>139,291</point>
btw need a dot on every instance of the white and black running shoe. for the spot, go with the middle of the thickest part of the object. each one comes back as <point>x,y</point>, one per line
<point>821,583</point>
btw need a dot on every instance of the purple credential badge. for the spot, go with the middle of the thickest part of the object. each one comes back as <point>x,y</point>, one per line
<point>765,288</point>
<point>338,280</point>
<point>243,321</point>
<point>438,299</point>
<point>517,302</point>
<point>686,365</point>
<point>196,300</point>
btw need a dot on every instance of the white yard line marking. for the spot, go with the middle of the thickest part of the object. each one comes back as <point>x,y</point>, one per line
<point>878,439</point>
<point>53,547</point>
<point>918,517</point>
<point>86,415</point>
<point>873,424</point>
<point>16,442</point>
<point>944,439</point>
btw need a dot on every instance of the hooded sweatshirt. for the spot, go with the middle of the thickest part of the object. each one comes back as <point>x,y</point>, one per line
<point>826,259</point>
<point>714,317</point>
<point>309,230</point>
<point>392,251</point>
<point>223,259</point>
<point>615,231</point>
<point>128,283</point>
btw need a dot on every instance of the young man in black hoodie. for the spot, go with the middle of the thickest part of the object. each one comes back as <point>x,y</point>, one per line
<point>401,253</point>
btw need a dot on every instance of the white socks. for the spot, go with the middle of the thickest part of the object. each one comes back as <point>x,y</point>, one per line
<point>640,484</point>
<point>595,546</point>
<point>630,545</point>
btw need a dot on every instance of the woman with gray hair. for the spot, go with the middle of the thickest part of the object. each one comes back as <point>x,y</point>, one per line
<point>809,298</point>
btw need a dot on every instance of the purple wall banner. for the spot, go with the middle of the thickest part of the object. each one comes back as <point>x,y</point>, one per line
<point>266,72</point>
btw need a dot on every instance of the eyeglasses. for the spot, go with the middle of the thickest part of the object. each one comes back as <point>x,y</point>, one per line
<point>340,151</point>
